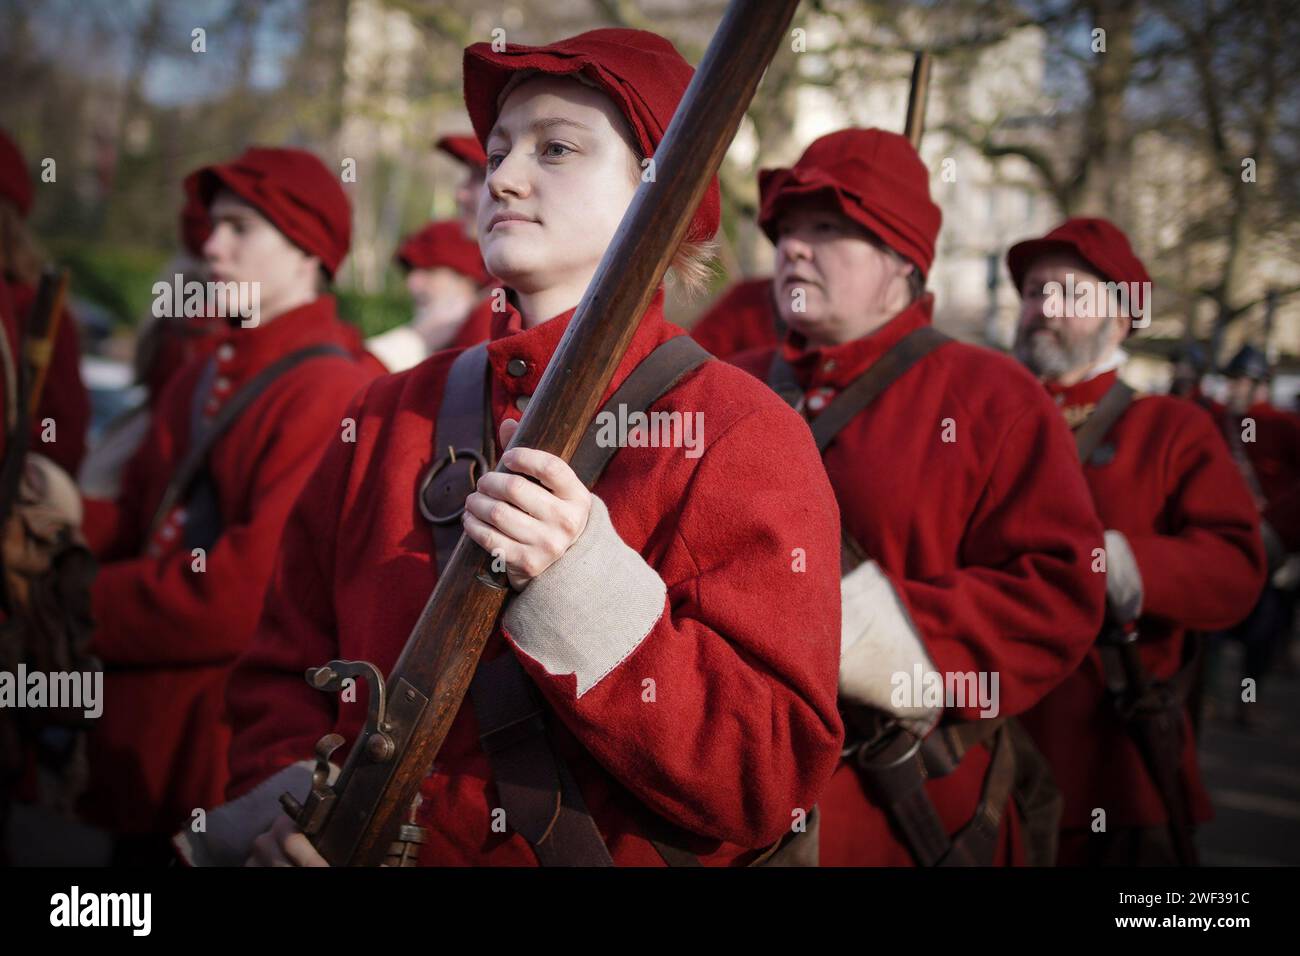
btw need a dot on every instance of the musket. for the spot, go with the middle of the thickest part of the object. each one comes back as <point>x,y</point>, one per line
<point>40,331</point>
<point>367,817</point>
<point>917,98</point>
<point>1153,716</point>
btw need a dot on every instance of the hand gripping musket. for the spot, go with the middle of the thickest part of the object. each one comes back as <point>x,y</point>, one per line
<point>368,816</point>
<point>917,99</point>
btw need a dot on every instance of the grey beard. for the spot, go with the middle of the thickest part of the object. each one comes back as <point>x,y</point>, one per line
<point>1048,359</point>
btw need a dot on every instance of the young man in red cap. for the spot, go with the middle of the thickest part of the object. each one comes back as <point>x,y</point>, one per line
<point>744,318</point>
<point>64,401</point>
<point>679,621</point>
<point>1182,552</point>
<point>445,276</point>
<point>467,151</point>
<point>967,592</point>
<point>187,551</point>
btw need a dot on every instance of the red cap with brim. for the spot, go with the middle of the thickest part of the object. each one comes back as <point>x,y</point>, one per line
<point>464,149</point>
<point>875,178</point>
<point>1098,242</point>
<point>15,183</point>
<point>294,191</point>
<point>640,71</point>
<point>443,244</point>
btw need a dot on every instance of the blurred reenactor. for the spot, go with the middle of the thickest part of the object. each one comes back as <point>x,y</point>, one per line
<point>1189,367</point>
<point>64,400</point>
<point>467,151</point>
<point>1265,441</point>
<point>445,276</point>
<point>1182,552</point>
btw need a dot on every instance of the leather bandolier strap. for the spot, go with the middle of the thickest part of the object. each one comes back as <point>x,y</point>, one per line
<point>893,763</point>
<point>192,482</point>
<point>1152,710</point>
<point>535,787</point>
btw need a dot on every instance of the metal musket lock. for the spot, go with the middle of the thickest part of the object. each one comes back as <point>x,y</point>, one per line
<point>379,747</point>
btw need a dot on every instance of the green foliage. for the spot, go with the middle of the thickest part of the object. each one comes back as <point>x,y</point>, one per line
<point>374,313</point>
<point>119,278</point>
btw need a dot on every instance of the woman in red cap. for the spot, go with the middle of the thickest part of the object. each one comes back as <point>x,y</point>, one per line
<point>64,400</point>
<point>682,646</point>
<point>185,565</point>
<point>1182,547</point>
<point>445,276</point>
<point>967,593</point>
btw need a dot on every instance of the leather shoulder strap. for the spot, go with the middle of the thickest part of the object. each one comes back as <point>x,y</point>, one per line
<point>653,378</point>
<point>781,379</point>
<point>864,390</point>
<point>464,446</point>
<point>1103,418</point>
<point>872,384</point>
<point>196,459</point>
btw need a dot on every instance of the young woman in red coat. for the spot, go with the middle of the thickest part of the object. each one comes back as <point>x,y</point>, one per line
<point>680,621</point>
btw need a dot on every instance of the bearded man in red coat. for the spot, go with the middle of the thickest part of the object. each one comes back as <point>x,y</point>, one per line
<point>1182,551</point>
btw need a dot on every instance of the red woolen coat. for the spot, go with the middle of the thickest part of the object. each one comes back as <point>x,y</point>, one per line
<point>1174,492</point>
<point>64,398</point>
<point>1275,456</point>
<point>168,634</point>
<point>743,729</point>
<point>986,539</point>
<point>743,318</point>
<point>1275,452</point>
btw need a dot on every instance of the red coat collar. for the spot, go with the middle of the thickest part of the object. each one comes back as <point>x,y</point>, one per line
<point>836,366</point>
<point>246,350</point>
<point>1078,401</point>
<point>512,344</point>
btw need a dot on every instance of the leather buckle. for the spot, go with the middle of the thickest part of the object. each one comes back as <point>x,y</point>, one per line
<point>469,458</point>
<point>873,756</point>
